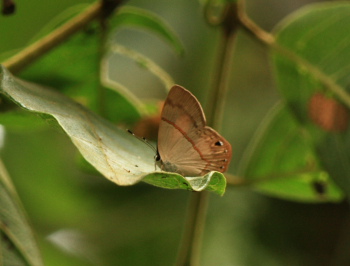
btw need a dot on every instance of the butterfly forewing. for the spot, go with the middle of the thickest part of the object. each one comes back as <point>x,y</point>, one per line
<point>185,144</point>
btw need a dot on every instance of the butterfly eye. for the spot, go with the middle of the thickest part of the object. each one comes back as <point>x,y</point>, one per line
<point>219,143</point>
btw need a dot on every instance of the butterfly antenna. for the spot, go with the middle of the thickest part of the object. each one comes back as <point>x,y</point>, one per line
<point>144,140</point>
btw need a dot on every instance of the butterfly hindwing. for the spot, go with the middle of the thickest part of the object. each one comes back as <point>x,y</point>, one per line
<point>185,144</point>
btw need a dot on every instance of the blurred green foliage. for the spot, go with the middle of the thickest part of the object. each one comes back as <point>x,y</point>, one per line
<point>80,219</point>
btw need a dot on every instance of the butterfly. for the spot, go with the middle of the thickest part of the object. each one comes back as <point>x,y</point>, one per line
<point>185,144</point>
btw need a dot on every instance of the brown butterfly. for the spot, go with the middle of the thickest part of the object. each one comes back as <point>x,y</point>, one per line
<point>185,144</point>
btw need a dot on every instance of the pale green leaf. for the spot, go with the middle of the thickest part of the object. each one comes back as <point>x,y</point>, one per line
<point>136,17</point>
<point>17,244</point>
<point>143,61</point>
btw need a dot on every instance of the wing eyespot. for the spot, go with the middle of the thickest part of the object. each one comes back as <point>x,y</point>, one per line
<point>219,143</point>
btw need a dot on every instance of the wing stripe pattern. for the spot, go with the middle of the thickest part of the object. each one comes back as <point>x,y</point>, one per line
<point>185,135</point>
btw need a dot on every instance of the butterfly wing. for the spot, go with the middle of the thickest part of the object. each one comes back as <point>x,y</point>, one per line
<point>185,144</point>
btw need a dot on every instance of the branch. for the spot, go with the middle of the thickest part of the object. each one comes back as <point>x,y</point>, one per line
<point>192,239</point>
<point>34,51</point>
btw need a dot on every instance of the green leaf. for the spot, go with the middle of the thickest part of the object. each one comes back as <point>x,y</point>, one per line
<point>46,29</point>
<point>316,44</point>
<point>17,243</point>
<point>60,19</point>
<point>19,119</point>
<point>279,162</point>
<point>213,181</point>
<point>119,156</point>
<point>334,153</point>
<point>80,78</point>
<point>317,37</point>
<point>132,16</point>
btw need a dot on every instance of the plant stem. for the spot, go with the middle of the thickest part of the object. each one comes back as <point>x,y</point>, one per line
<point>19,61</point>
<point>193,234</point>
<point>219,92</point>
<point>31,53</point>
<point>247,24</point>
<point>219,89</point>
<point>192,237</point>
<point>250,181</point>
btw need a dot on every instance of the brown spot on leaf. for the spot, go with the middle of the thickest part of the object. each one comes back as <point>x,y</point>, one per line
<point>320,187</point>
<point>328,113</point>
<point>8,7</point>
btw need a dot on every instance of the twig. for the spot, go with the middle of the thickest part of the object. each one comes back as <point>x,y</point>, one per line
<point>28,55</point>
<point>192,239</point>
<point>218,93</point>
